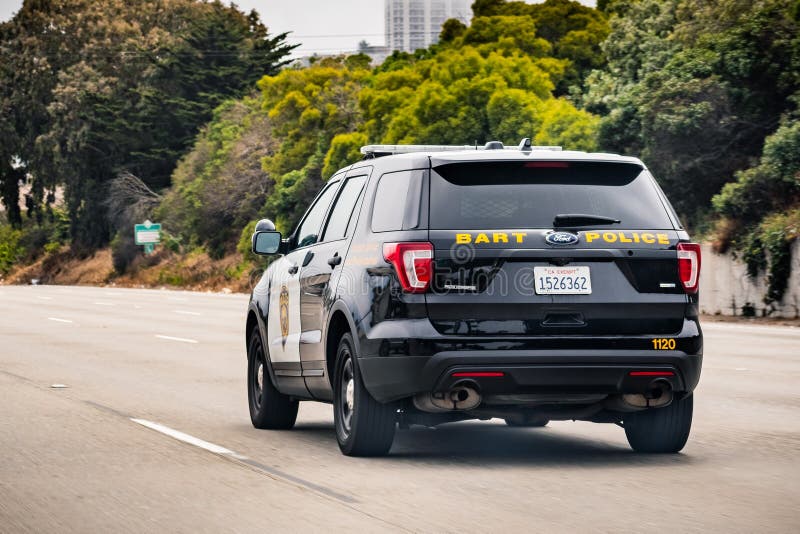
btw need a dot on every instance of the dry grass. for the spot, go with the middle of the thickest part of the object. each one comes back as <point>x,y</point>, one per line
<point>194,271</point>
<point>725,230</point>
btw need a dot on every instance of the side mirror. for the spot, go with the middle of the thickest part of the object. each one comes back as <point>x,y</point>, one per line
<point>266,240</point>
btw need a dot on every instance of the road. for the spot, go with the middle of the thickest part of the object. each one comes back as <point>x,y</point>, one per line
<point>102,453</point>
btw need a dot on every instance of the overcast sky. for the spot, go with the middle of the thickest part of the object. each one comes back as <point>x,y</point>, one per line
<point>322,26</point>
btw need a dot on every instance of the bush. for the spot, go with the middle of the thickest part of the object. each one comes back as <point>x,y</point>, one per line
<point>11,249</point>
<point>220,185</point>
<point>123,251</point>
<point>26,244</point>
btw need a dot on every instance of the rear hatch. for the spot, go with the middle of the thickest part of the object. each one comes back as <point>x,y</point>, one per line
<point>512,257</point>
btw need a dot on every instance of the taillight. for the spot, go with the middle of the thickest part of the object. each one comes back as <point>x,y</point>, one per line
<point>689,266</point>
<point>413,263</point>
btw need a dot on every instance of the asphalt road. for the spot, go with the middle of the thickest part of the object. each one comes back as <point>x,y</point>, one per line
<point>101,454</point>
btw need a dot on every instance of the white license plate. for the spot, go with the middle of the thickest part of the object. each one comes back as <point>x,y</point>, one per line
<point>562,280</point>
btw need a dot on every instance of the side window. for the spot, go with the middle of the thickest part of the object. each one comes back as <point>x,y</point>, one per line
<point>343,209</point>
<point>397,201</point>
<point>308,232</point>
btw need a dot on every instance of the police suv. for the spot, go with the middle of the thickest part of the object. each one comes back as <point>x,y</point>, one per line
<point>432,284</point>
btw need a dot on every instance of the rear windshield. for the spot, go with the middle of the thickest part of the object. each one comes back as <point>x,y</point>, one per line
<point>486,195</point>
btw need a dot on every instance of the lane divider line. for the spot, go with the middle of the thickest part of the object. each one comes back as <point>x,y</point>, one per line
<point>271,472</point>
<point>44,298</point>
<point>185,312</point>
<point>186,438</point>
<point>775,330</point>
<point>56,319</point>
<point>104,303</point>
<point>181,339</point>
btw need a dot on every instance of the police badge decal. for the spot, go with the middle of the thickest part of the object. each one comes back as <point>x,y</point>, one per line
<point>284,314</point>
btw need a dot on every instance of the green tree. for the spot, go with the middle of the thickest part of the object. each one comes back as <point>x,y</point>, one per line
<point>126,90</point>
<point>694,87</point>
<point>493,80</point>
<point>307,109</point>
<point>574,32</point>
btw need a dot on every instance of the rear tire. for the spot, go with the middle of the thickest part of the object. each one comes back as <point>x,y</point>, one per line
<point>364,426</point>
<point>269,408</point>
<point>660,430</point>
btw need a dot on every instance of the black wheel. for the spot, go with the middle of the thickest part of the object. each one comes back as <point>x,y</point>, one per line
<point>660,430</point>
<point>364,426</point>
<point>269,408</point>
<point>527,424</point>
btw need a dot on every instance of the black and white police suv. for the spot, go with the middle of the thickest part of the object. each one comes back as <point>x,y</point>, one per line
<point>432,284</point>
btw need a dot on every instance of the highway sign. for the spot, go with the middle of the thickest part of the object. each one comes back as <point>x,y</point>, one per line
<point>147,234</point>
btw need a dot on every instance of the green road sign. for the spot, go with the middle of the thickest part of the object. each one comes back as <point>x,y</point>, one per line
<point>147,234</point>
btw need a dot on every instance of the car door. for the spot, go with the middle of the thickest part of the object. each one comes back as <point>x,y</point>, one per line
<point>318,280</point>
<point>284,326</point>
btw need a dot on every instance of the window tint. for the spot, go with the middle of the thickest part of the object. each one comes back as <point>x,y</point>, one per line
<point>487,195</point>
<point>343,210</point>
<point>308,232</point>
<point>397,201</point>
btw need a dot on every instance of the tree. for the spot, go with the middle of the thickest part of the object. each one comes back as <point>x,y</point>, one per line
<point>307,109</point>
<point>127,91</point>
<point>574,32</point>
<point>494,80</point>
<point>695,86</point>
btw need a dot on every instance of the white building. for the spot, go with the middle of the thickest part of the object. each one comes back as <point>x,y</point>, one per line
<point>413,24</point>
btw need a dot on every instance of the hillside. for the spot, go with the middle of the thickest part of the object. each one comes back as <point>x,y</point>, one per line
<point>705,92</point>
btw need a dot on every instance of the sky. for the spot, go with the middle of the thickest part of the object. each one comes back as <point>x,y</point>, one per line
<point>322,26</point>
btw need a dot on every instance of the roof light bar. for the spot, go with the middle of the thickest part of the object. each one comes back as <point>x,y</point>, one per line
<point>370,150</point>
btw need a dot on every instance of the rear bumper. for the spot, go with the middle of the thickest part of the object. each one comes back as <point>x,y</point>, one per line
<point>548,370</point>
<point>608,372</point>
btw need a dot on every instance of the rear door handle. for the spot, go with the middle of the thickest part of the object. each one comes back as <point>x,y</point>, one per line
<point>293,269</point>
<point>335,260</point>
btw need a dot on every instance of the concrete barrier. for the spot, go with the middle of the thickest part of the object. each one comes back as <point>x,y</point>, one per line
<point>725,288</point>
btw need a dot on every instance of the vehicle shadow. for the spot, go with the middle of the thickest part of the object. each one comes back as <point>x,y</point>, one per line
<point>497,445</point>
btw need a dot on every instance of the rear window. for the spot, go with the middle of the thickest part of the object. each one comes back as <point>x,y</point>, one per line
<point>486,195</point>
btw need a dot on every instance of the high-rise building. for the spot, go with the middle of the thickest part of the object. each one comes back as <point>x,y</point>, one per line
<point>413,24</point>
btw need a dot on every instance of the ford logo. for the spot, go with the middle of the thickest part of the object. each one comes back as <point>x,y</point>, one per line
<point>561,238</point>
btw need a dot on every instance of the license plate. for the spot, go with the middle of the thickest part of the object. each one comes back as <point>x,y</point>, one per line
<point>562,280</point>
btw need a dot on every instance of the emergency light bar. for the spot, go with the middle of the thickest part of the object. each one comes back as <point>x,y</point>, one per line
<point>386,150</point>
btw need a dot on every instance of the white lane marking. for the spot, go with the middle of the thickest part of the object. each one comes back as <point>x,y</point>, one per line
<point>179,299</point>
<point>111,294</point>
<point>137,307</point>
<point>183,339</point>
<point>59,386</point>
<point>185,312</point>
<point>186,438</point>
<point>56,319</point>
<point>273,473</point>
<point>741,369</point>
<point>44,298</point>
<point>776,329</point>
<point>104,303</point>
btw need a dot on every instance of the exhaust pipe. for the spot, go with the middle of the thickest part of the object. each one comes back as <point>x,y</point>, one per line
<point>462,396</point>
<point>659,394</point>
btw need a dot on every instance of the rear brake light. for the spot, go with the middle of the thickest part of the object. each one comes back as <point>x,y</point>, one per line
<point>689,266</point>
<point>479,374</point>
<point>651,373</point>
<point>547,165</point>
<point>413,263</point>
